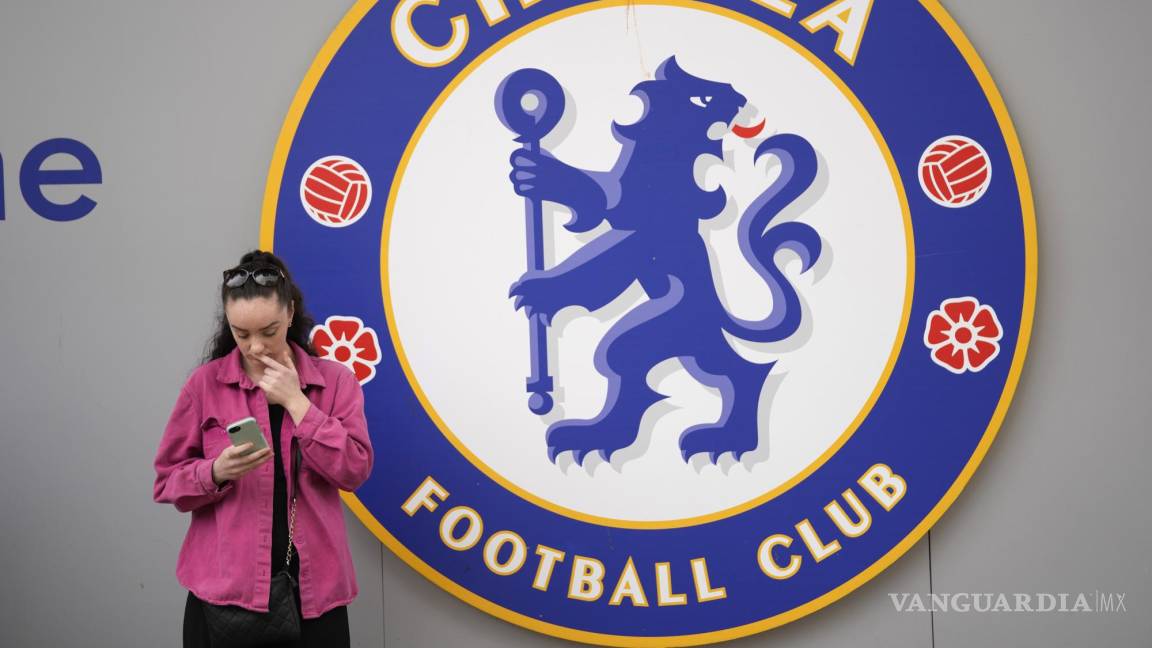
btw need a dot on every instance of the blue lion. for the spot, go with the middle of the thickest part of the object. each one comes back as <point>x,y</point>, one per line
<point>653,203</point>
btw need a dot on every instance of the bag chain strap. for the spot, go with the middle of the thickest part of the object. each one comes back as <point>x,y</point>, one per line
<point>291,524</point>
<point>292,513</point>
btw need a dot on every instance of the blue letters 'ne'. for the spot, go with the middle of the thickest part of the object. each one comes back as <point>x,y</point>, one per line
<point>33,178</point>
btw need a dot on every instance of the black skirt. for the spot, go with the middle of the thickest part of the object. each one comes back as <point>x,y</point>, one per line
<point>328,630</point>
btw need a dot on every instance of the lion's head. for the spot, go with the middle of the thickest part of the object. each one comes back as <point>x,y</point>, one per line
<point>681,108</point>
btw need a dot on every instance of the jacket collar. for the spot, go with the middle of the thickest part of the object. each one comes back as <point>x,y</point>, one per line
<point>231,369</point>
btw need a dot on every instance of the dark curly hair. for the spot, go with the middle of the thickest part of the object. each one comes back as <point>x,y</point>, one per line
<point>286,292</point>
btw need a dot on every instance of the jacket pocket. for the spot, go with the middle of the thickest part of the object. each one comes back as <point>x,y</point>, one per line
<point>214,437</point>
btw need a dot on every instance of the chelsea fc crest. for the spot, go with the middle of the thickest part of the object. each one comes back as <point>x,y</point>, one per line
<point>676,320</point>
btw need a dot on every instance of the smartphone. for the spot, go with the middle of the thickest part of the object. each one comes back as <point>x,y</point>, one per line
<point>246,431</point>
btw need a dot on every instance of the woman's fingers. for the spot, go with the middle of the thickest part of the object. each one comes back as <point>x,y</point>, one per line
<point>233,463</point>
<point>242,451</point>
<point>247,457</point>
<point>271,363</point>
<point>255,459</point>
<point>237,463</point>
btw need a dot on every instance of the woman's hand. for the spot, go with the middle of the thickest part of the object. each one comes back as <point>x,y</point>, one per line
<point>233,463</point>
<point>281,384</point>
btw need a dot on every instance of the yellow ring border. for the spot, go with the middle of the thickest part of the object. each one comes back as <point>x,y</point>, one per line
<point>849,430</point>
<point>268,217</point>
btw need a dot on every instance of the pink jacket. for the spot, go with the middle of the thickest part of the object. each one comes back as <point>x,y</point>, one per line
<point>226,558</point>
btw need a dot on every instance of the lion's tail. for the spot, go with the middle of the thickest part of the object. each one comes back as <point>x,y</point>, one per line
<point>760,243</point>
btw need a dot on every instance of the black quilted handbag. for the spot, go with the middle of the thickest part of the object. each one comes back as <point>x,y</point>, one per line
<point>232,626</point>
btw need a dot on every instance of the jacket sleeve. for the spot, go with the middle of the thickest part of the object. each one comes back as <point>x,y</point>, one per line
<point>336,445</point>
<point>183,474</point>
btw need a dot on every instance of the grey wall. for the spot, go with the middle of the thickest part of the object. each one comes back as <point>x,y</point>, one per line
<point>102,319</point>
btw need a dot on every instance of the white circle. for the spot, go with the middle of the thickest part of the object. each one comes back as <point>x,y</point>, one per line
<point>456,242</point>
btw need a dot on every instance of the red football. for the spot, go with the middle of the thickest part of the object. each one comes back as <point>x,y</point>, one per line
<point>335,191</point>
<point>955,171</point>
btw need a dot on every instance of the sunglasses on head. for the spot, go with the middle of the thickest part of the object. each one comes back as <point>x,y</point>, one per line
<point>265,276</point>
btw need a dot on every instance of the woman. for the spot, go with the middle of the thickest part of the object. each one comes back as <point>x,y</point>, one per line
<point>261,364</point>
